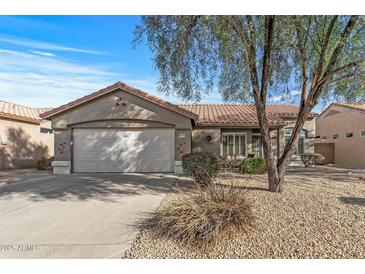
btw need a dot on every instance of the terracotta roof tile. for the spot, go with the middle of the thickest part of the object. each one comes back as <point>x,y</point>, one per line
<point>203,114</point>
<point>238,114</point>
<point>21,113</point>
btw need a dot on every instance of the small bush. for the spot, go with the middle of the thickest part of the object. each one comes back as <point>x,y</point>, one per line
<point>203,167</point>
<point>201,217</point>
<point>311,159</point>
<point>255,165</point>
<point>41,164</point>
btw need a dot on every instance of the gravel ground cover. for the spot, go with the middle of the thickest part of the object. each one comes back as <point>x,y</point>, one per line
<point>321,214</point>
<point>17,175</point>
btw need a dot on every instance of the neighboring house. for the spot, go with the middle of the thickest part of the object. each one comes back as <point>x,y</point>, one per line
<point>24,136</point>
<point>123,129</point>
<point>341,130</point>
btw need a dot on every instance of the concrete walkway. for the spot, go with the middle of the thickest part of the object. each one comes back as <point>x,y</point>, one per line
<point>78,215</point>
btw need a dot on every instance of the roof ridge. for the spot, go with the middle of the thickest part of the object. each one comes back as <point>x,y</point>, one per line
<point>20,105</point>
<point>230,104</point>
<point>127,88</point>
<point>16,111</point>
<point>349,104</point>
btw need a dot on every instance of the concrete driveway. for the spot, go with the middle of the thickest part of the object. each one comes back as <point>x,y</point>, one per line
<point>77,215</point>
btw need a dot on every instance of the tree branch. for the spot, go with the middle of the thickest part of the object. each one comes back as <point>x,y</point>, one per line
<point>332,73</point>
<point>341,42</point>
<point>250,51</point>
<point>317,89</point>
<point>325,45</point>
<point>303,62</point>
<point>269,29</point>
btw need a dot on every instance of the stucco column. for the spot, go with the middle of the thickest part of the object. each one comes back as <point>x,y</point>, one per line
<point>277,143</point>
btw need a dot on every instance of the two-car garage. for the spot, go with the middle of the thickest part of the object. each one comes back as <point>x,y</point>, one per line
<point>118,150</point>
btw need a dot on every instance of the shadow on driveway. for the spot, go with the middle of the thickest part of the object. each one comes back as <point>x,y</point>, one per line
<point>82,186</point>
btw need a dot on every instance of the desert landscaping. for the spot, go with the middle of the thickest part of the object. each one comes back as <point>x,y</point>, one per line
<point>320,214</point>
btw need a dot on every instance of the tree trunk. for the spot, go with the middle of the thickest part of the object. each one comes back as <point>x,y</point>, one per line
<point>275,178</point>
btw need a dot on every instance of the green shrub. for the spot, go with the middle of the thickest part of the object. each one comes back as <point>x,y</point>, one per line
<point>41,164</point>
<point>201,217</point>
<point>255,165</point>
<point>203,167</point>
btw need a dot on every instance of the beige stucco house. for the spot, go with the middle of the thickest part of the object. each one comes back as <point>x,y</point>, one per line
<point>123,129</point>
<point>343,126</point>
<point>24,136</point>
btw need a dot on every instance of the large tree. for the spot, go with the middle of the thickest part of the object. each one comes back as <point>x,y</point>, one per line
<point>256,57</point>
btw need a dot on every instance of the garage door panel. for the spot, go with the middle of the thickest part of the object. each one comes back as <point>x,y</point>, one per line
<point>143,165</point>
<point>97,166</point>
<point>115,150</point>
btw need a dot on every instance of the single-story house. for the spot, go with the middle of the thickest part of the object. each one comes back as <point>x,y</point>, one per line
<point>123,129</point>
<point>341,131</point>
<point>24,136</point>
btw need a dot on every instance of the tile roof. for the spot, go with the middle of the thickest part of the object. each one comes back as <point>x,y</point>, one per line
<point>125,87</point>
<point>238,114</point>
<point>360,106</point>
<point>202,114</point>
<point>21,113</point>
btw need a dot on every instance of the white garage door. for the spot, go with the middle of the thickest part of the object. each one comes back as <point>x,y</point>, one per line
<point>115,150</point>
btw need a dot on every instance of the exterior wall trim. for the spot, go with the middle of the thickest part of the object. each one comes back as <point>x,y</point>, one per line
<point>136,121</point>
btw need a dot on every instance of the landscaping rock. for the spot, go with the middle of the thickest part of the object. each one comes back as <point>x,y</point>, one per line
<point>317,216</point>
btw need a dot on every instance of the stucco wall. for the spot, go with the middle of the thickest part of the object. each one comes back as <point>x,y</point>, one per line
<point>23,144</point>
<point>182,143</point>
<point>132,112</point>
<point>349,152</point>
<point>62,144</point>
<point>106,108</point>
<point>200,142</point>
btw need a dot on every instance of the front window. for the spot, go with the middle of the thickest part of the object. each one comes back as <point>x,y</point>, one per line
<point>257,145</point>
<point>234,144</point>
<point>301,141</point>
<point>46,130</point>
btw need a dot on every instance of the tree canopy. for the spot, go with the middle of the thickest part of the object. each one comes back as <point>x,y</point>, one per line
<point>251,58</point>
<point>198,54</point>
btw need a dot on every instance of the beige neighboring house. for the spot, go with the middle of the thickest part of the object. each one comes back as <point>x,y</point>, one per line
<point>341,131</point>
<point>123,129</point>
<point>24,136</point>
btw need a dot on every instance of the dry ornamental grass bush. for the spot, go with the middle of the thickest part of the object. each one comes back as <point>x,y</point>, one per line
<point>200,217</point>
<point>311,159</point>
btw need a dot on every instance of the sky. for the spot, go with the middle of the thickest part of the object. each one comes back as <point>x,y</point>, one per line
<point>47,61</point>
